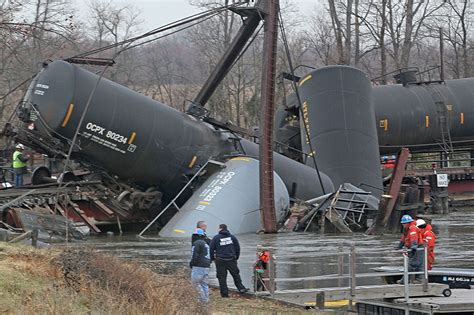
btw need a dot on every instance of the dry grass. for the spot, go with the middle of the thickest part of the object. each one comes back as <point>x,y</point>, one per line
<point>85,282</point>
<point>81,281</point>
<point>239,305</point>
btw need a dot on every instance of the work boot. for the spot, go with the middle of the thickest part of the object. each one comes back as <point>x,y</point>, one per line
<point>225,295</point>
<point>243,290</point>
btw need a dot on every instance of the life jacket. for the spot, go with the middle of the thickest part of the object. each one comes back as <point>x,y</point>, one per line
<point>429,237</point>
<point>261,263</point>
<point>412,236</point>
<point>390,164</point>
<point>264,256</point>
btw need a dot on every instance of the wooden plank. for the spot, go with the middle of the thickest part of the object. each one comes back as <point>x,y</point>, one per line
<point>21,237</point>
<point>84,218</point>
<point>103,207</point>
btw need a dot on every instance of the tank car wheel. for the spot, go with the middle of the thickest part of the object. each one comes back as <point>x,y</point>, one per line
<point>123,195</point>
<point>447,292</point>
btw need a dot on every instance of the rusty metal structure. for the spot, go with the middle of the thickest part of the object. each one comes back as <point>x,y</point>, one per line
<point>267,110</point>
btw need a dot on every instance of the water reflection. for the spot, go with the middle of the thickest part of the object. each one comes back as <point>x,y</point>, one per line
<point>298,254</point>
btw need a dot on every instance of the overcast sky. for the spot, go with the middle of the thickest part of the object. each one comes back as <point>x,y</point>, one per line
<point>155,13</point>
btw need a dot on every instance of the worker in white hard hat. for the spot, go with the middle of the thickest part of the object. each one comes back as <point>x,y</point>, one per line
<point>429,239</point>
<point>19,164</point>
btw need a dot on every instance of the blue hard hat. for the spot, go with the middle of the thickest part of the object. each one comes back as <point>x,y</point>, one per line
<point>200,232</point>
<point>407,219</point>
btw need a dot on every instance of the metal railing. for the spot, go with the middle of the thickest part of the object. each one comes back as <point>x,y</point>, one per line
<point>352,276</point>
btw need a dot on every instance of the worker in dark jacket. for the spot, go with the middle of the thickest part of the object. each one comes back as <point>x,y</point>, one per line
<point>200,264</point>
<point>203,226</point>
<point>19,164</point>
<point>225,251</point>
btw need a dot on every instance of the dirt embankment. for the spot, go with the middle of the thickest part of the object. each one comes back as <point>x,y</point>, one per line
<point>81,281</point>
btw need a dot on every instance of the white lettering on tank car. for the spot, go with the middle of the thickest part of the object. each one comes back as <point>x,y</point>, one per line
<point>213,189</point>
<point>95,128</point>
<point>42,86</point>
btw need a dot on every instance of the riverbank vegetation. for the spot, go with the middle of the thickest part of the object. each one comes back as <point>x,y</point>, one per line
<point>82,281</point>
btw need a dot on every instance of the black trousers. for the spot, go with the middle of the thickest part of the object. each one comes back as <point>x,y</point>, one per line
<point>222,266</point>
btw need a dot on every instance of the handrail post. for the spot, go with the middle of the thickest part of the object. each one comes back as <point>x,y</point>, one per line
<point>406,278</point>
<point>352,274</point>
<point>340,267</point>
<point>271,274</point>
<point>425,268</point>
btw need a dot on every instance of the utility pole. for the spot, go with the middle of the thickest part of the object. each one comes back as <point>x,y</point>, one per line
<point>267,109</point>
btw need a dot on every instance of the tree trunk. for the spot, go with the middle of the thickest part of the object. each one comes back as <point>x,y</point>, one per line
<point>383,49</point>
<point>407,41</point>
<point>347,44</point>
<point>356,34</point>
<point>336,24</point>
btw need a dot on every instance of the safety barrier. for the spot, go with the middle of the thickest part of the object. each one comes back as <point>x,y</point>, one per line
<point>350,292</point>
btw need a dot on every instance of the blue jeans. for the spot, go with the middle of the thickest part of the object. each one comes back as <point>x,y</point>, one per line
<point>18,180</point>
<point>199,278</point>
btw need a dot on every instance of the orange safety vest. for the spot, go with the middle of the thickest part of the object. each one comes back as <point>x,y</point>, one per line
<point>411,234</point>
<point>390,164</point>
<point>429,237</point>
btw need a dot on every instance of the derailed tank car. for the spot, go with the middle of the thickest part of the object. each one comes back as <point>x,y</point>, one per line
<point>143,144</point>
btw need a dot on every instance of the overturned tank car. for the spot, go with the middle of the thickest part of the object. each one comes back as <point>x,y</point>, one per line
<point>143,154</point>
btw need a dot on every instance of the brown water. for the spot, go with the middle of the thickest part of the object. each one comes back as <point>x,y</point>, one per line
<point>299,254</point>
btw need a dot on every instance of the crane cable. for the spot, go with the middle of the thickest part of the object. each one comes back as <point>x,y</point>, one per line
<point>198,16</point>
<point>295,87</point>
<point>76,133</point>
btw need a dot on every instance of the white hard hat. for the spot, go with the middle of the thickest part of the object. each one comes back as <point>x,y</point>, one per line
<point>420,222</point>
<point>20,146</point>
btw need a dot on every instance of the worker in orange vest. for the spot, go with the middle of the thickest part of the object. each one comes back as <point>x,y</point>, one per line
<point>429,240</point>
<point>263,257</point>
<point>389,163</point>
<point>411,239</point>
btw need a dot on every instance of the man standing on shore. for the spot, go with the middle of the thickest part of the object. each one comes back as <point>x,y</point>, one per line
<point>200,264</point>
<point>225,251</point>
<point>203,226</point>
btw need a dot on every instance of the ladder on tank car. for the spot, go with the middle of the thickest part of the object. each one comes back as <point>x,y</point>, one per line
<point>443,119</point>
<point>206,170</point>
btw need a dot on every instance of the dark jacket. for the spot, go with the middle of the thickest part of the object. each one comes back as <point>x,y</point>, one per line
<point>196,237</point>
<point>201,255</point>
<point>225,246</point>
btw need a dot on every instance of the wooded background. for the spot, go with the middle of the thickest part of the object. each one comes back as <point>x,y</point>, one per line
<point>377,36</point>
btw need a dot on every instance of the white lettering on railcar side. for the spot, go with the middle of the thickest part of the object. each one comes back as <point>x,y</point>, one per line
<point>108,138</point>
<point>213,189</point>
